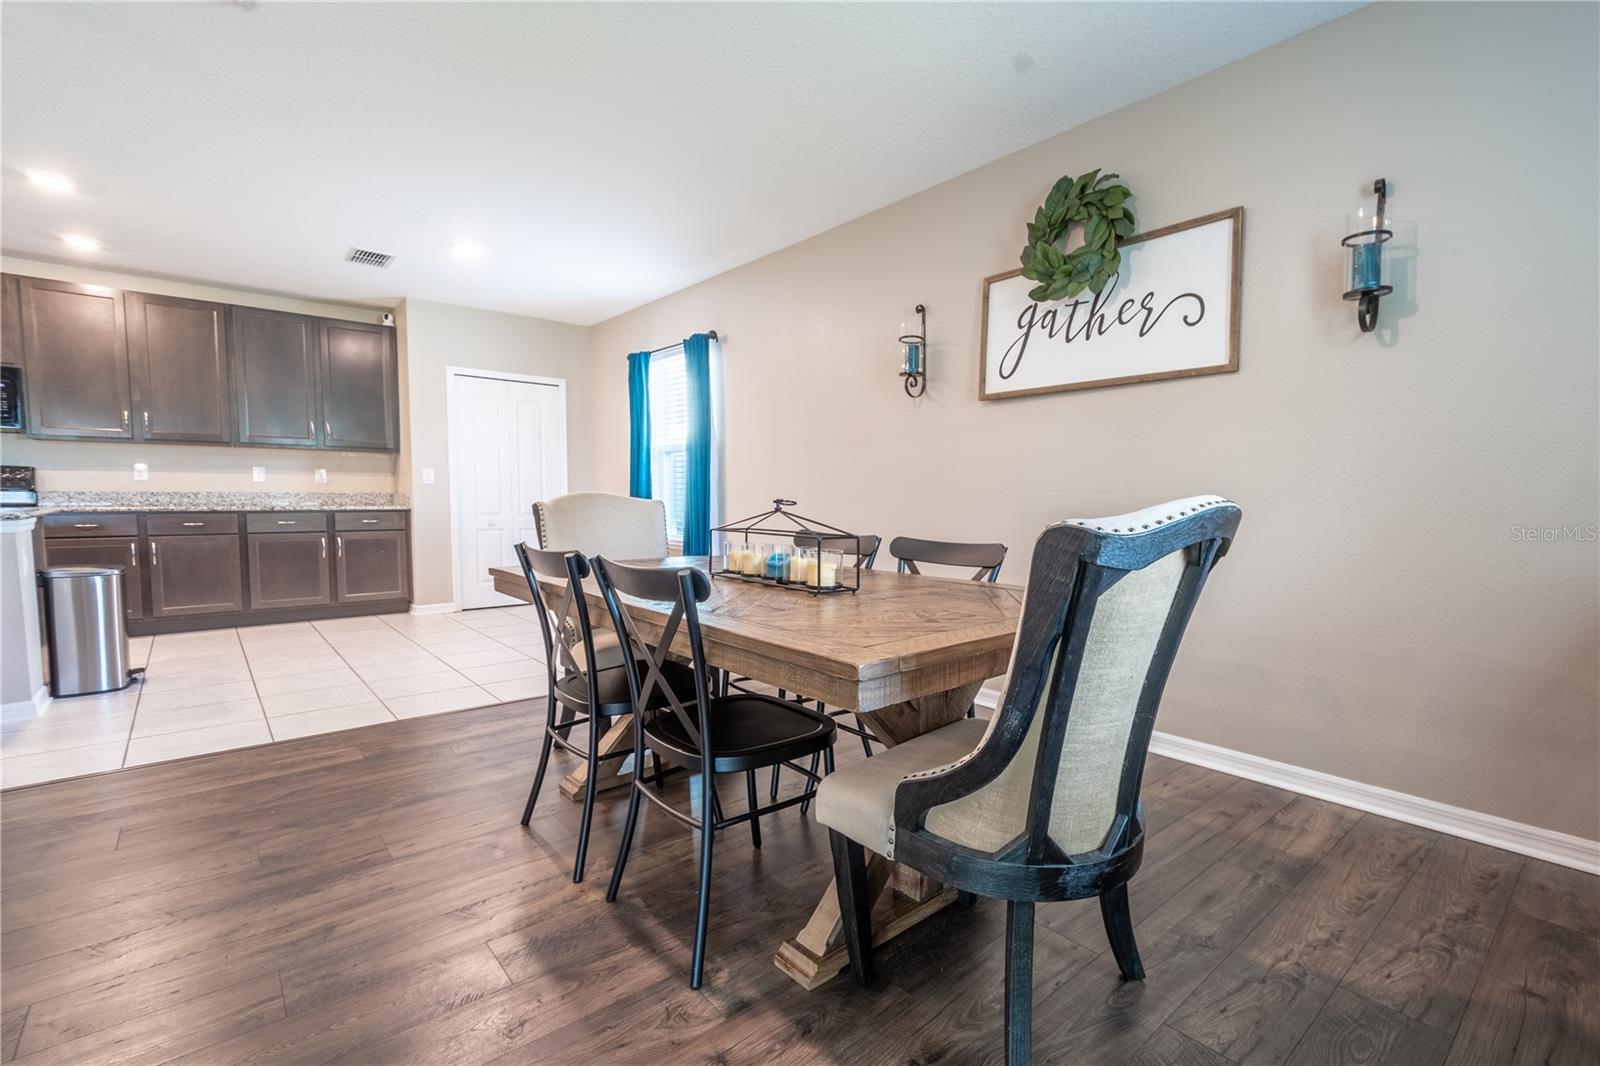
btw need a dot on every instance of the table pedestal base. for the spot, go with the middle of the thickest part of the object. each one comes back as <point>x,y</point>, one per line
<point>614,774</point>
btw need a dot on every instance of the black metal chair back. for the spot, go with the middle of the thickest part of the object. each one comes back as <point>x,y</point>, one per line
<point>864,548</point>
<point>567,627</point>
<point>909,551</point>
<point>684,589</point>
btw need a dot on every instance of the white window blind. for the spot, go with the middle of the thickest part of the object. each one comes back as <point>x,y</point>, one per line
<point>669,433</point>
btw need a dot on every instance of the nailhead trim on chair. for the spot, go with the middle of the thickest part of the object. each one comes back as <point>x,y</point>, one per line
<point>1134,522</point>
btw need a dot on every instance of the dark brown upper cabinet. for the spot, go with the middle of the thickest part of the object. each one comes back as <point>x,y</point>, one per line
<point>275,364</point>
<point>10,320</point>
<point>178,352</point>
<point>360,387</point>
<point>76,343</point>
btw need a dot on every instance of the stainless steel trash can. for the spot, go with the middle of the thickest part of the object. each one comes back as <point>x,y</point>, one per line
<point>84,627</point>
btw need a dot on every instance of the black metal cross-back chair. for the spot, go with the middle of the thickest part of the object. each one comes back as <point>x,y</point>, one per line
<point>738,733</point>
<point>1045,804</point>
<point>909,551</point>
<point>573,656</point>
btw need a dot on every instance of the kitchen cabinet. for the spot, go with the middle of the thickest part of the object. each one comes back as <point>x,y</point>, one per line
<point>372,565</point>
<point>177,351</point>
<point>276,377</point>
<point>289,570</point>
<point>193,575</point>
<point>10,320</point>
<point>75,346</point>
<point>360,387</point>
<point>104,551</point>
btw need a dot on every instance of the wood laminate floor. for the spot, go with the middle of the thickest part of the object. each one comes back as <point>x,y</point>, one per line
<point>367,897</point>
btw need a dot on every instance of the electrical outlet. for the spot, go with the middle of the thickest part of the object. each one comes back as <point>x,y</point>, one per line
<point>258,473</point>
<point>427,475</point>
<point>141,471</point>
<point>321,476</point>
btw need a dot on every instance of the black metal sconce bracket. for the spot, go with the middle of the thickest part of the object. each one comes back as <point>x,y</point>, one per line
<point>917,384</point>
<point>1367,299</point>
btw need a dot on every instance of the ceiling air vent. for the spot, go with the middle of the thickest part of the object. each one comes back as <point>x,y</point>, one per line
<point>369,258</point>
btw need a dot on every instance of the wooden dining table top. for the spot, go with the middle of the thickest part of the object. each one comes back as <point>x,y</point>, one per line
<point>899,637</point>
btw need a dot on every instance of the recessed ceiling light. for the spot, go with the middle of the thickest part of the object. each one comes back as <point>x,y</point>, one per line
<point>467,249</point>
<point>52,181</point>
<point>79,243</point>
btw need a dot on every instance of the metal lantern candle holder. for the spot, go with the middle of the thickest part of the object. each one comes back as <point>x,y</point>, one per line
<point>735,557</point>
<point>914,356</point>
<point>1366,258</point>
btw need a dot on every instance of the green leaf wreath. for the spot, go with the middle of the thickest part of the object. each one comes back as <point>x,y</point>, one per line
<point>1106,219</point>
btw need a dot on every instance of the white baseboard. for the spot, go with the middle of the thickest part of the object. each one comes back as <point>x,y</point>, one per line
<point>434,608</point>
<point>26,710</point>
<point>1563,849</point>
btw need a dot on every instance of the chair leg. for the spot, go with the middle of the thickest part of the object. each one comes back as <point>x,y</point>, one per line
<point>772,793</point>
<point>708,833</point>
<point>1119,930</point>
<point>1019,983</point>
<point>655,765</point>
<point>538,777</point>
<point>627,842</point>
<point>855,909</point>
<point>588,801</point>
<point>755,823</point>
<point>805,804</point>
<point>966,899</point>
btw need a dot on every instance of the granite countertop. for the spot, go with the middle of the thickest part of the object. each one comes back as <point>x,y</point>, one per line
<point>109,502</point>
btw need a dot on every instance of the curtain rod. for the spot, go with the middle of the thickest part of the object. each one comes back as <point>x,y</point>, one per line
<point>668,347</point>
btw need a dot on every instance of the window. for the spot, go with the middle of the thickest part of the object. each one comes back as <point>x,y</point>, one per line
<point>669,430</point>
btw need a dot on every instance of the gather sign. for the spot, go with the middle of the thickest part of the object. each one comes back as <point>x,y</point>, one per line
<point>1171,311</point>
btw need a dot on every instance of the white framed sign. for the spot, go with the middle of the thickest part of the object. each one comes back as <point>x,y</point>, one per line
<point>1172,311</point>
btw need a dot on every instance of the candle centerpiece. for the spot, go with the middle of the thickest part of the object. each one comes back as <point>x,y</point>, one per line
<point>801,564</point>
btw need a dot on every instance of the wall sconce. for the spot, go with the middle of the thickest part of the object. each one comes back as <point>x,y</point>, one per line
<point>914,356</point>
<point>1370,229</point>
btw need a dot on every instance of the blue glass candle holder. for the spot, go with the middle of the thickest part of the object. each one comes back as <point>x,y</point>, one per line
<point>778,566</point>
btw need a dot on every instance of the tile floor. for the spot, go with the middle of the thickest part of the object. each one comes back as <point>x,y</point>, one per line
<point>233,688</point>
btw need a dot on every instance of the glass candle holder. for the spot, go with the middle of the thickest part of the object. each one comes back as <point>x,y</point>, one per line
<point>830,565</point>
<point>777,565</point>
<point>802,566</point>
<point>756,561</point>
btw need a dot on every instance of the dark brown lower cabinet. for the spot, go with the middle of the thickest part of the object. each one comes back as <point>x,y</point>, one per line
<point>195,575</point>
<point>372,565</point>
<point>104,551</point>
<point>289,570</point>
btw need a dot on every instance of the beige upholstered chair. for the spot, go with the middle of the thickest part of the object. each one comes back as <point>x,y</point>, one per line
<point>599,523</point>
<point>1041,802</point>
<point>596,524</point>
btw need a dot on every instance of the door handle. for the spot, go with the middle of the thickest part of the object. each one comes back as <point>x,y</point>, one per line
<point>124,418</point>
<point>341,547</point>
<point>147,421</point>
<point>133,553</point>
<point>311,427</point>
<point>86,525</point>
<point>286,522</point>
<point>327,431</point>
<point>324,547</point>
<point>369,521</point>
<point>193,525</point>
<point>155,560</point>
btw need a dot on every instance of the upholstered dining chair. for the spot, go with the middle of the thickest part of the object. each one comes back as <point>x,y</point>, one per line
<point>581,687</point>
<point>1041,802</point>
<point>909,551</point>
<point>698,732</point>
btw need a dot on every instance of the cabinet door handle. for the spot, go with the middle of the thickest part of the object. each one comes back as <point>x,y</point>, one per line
<point>124,418</point>
<point>311,428</point>
<point>327,431</point>
<point>147,421</point>
<point>193,525</point>
<point>324,547</point>
<point>286,522</point>
<point>155,560</point>
<point>133,552</point>
<point>86,525</point>
<point>341,547</point>
<point>369,521</point>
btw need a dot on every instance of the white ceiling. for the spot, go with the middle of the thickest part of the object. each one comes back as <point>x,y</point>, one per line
<point>602,155</point>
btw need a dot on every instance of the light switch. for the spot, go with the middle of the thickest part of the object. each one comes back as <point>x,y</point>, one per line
<point>321,476</point>
<point>141,471</point>
<point>427,475</point>
<point>258,473</point>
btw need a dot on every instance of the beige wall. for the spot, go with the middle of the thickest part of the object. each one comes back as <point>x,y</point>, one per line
<point>434,336</point>
<point>108,465</point>
<point>1378,618</point>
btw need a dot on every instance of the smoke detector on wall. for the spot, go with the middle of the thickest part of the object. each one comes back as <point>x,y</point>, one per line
<point>367,257</point>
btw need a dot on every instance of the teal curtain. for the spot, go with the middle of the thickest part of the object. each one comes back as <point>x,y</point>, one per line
<point>697,449</point>
<point>639,425</point>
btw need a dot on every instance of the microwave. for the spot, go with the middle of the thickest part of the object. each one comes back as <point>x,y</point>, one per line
<point>10,397</point>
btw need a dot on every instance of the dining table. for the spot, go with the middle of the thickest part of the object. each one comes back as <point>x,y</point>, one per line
<point>906,652</point>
